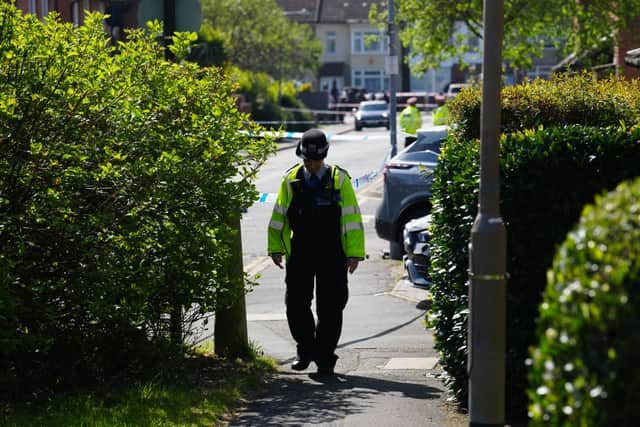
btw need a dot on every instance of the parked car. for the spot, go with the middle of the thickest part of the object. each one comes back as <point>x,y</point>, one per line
<point>407,187</point>
<point>371,114</point>
<point>416,241</point>
<point>455,88</point>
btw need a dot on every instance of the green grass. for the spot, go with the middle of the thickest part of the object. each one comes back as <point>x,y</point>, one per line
<point>202,391</point>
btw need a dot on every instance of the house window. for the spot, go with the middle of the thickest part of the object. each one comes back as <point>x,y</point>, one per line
<point>44,6</point>
<point>33,8</point>
<point>368,42</point>
<point>330,47</point>
<point>371,80</point>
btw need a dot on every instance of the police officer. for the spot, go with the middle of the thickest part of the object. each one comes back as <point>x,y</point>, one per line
<point>316,224</point>
<point>410,121</point>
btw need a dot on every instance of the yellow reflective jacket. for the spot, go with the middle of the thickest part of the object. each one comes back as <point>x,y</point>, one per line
<point>410,120</point>
<point>352,229</point>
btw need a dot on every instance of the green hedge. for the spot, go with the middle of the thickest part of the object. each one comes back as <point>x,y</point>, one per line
<point>547,176</point>
<point>585,368</point>
<point>561,101</point>
<point>117,175</point>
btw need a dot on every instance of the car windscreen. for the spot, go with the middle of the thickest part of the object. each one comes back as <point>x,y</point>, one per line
<point>418,156</point>
<point>373,107</point>
<point>425,144</point>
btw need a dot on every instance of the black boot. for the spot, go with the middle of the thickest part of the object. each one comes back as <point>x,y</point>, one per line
<point>301,363</point>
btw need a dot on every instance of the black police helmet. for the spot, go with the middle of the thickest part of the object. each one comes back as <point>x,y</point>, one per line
<point>313,145</point>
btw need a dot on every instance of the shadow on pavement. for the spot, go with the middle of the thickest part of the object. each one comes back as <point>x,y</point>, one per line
<point>294,400</point>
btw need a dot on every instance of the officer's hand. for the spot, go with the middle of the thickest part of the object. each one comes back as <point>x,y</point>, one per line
<point>277,260</point>
<point>352,263</point>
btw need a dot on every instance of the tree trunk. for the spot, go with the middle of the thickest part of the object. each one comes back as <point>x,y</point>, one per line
<point>230,331</point>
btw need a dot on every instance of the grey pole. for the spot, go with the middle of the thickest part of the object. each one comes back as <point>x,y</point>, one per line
<point>487,252</point>
<point>392,71</point>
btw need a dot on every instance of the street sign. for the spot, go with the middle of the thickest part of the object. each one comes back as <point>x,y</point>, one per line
<point>188,13</point>
<point>391,65</point>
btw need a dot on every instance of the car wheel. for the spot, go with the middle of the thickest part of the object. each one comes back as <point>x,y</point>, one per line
<point>358,126</point>
<point>396,250</point>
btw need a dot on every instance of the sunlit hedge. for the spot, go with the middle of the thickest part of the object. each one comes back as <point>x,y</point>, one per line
<point>547,175</point>
<point>561,101</point>
<point>585,366</point>
<point>117,175</point>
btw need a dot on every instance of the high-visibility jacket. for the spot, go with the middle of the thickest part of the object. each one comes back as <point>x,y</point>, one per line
<point>410,120</point>
<point>351,227</point>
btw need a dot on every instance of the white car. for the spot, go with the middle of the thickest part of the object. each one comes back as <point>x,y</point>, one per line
<point>455,88</point>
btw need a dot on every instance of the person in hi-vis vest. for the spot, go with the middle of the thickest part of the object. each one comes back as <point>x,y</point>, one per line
<point>316,224</point>
<point>410,121</point>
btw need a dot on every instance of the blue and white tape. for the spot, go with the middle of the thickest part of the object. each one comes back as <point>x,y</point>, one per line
<point>330,136</point>
<point>356,183</point>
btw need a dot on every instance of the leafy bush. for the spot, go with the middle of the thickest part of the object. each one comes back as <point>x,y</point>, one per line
<point>117,175</point>
<point>584,369</point>
<point>547,176</point>
<point>563,100</point>
<point>268,97</point>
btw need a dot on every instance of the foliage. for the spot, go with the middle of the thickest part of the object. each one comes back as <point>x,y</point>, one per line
<point>547,176</point>
<point>260,38</point>
<point>431,28</point>
<point>270,100</point>
<point>117,173</point>
<point>201,390</point>
<point>210,48</point>
<point>584,369</point>
<point>563,100</point>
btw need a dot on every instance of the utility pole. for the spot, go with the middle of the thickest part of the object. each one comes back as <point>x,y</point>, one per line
<point>487,252</point>
<point>392,72</point>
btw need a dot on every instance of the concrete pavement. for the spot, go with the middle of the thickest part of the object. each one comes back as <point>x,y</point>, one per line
<point>387,374</point>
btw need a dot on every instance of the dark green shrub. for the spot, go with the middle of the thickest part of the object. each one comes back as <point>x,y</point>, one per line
<point>585,367</point>
<point>117,175</point>
<point>547,176</point>
<point>564,100</point>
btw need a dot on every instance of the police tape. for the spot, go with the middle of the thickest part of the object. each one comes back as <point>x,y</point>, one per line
<point>356,183</point>
<point>330,136</point>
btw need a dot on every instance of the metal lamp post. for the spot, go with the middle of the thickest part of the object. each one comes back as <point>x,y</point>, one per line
<point>392,72</point>
<point>487,252</point>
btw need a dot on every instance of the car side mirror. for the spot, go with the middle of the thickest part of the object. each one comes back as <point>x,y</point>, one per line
<point>354,109</point>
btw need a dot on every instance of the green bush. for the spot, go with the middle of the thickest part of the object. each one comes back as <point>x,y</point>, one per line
<point>561,101</point>
<point>268,97</point>
<point>585,368</point>
<point>117,175</point>
<point>547,176</point>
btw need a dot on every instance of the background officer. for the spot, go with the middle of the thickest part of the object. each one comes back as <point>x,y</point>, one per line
<point>316,223</point>
<point>410,121</point>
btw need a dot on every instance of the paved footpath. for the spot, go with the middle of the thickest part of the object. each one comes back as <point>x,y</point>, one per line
<point>387,371</point>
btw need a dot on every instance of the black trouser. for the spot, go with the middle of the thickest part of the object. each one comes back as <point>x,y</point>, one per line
<point>316,341</point>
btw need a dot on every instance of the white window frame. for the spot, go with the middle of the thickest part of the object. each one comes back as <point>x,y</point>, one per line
<point>359,76</point>
<point>331,39</point>
<point>359,46</point>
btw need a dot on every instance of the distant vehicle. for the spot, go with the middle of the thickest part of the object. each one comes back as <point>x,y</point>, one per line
<point>371,114</point>
<point>455,88</point>
<point>407,187</point>
<point>416,241</point>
